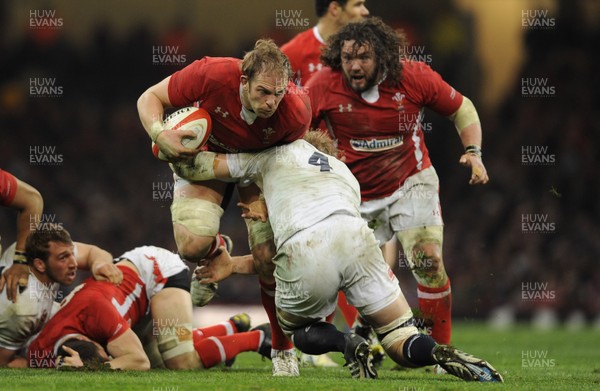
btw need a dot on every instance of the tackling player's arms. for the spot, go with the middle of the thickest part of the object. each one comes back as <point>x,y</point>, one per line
<point>204,166</point>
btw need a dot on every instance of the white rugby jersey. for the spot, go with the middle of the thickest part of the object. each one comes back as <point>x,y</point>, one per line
<point>301,185</point>
<point>20,320</point>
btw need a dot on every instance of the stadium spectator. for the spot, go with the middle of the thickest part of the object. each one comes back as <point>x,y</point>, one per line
<point>304,50</point>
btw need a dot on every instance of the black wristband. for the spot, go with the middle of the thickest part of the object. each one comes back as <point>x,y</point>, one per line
<point>474,149</point>
<point>20,258</point>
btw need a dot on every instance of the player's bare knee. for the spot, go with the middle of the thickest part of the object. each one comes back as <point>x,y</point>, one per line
<point>427,258</point>
<point>195,224</point>
<point>191,247</point>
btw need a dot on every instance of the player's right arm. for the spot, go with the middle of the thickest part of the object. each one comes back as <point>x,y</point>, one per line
<point>99,262</point>
<point>151,108</point>
<point>29,204</point>
<point>224,265</point>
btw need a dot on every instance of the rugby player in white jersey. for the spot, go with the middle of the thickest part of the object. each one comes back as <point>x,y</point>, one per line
<point>323,245</point>
<point>53,259</point>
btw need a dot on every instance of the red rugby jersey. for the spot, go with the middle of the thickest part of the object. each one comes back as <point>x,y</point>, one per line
<point>304,52</point>
<point>8,188</point>
<point>382,141</point>
<point>99,310</point>
<point>214,84</point>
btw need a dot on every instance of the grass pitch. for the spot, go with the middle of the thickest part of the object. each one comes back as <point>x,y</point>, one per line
<point>528,360</point>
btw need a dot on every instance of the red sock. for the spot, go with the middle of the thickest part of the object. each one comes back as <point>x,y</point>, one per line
<point>436,304</point>
<point>218,242</point>
<point>267,297</point>
<point>215,350</point>
<point>219,329</point>
<point>347,309</point>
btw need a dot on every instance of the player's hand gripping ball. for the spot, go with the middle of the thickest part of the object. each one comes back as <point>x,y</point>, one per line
<point>189,118</point>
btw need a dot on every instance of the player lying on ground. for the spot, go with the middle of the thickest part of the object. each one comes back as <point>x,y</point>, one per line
<point>53,259</point>
<point>99,315</point>
<point>310,196</point>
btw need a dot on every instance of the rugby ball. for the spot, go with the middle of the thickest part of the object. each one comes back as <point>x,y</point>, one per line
<point>189,118</point>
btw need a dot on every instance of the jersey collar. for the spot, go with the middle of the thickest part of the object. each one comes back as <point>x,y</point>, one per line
<point>318,35</point>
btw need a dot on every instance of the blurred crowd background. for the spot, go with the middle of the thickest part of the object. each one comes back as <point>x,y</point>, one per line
<point>106,188</point>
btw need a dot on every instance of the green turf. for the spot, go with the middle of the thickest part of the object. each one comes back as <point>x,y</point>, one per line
<point>552,360</point>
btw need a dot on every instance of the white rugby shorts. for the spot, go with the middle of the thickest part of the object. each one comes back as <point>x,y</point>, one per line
<point>415,204</point>
<point>338,253</point>
<point>155,265</point>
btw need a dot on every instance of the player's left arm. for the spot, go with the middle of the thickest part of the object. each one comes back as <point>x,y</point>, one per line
<point>468,127</point>
<point>210,165</point>
<point>445,100</point>
<point>99,262</point>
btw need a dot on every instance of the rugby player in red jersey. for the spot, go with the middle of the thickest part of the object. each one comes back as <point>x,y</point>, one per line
<point>253,106</point>
<point>155,280</point>
<point>304,50</point>
<point>373,104</point>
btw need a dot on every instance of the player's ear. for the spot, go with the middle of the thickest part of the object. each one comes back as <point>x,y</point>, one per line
<point>334,8</point>
<point>245,82</point>
<point>39,265</point>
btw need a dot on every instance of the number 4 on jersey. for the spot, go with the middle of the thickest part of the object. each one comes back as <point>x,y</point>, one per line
<point>318,159</point>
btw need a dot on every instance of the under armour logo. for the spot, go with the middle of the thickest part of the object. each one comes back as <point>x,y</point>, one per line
<point>312,67</point>
<point>224,114</point>
<point>345,109</point>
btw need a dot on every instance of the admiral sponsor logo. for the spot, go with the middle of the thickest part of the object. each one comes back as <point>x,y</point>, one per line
<point>219,144</point>
<point>376,145</point>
